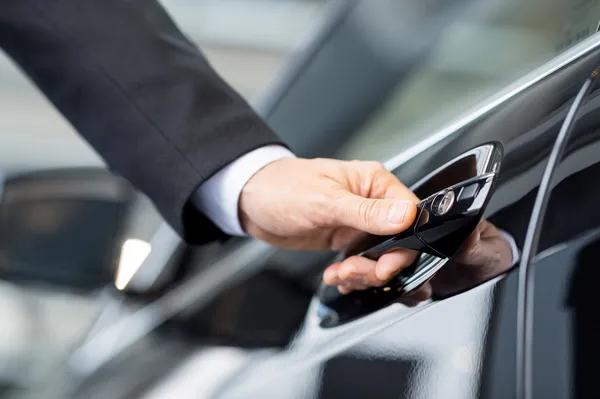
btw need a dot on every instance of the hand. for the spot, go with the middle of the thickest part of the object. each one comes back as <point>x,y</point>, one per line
<point>325,204</point>
<point>485,255</point>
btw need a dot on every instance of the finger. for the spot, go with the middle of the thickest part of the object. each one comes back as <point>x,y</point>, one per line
<point>471,252</point>
<point>330,275</point>
<point>355,287</point>
<point>485,248</point>
<point>485,255</point>
<point>375,202</point>
<point>375,216</point>
<point>392,263</point>
<point>384,184</point>
<point>487,229</point>
<point>395,189</point>
<point>358,271</point>
<point>344,290</point>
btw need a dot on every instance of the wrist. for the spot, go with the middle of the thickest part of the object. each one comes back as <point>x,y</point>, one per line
<point>218,198</point>
<point>254,192</point>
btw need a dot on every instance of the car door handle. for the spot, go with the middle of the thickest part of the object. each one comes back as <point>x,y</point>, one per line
<point>444,222</point>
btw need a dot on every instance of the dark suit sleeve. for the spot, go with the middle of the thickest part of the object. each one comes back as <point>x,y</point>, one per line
<point>139,92</point>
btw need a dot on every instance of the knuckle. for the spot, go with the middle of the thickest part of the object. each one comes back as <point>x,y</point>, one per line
<point>371,164</point>
<point>375,172</point>
<point>375,167</point>
<point>378,165</point>
<point>368,210</point>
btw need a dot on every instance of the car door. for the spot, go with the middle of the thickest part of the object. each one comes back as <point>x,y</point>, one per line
<point>559,359</point>
<point>463,346</point>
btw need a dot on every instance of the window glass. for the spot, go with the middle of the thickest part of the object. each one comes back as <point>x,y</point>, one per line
<point>486,47</point>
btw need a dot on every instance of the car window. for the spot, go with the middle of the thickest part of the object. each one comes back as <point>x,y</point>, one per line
<point>486,47</point>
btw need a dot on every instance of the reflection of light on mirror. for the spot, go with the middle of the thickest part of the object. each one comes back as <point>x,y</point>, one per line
<point>133,253</point>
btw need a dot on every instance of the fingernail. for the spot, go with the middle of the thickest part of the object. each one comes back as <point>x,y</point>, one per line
<point>398,212</point>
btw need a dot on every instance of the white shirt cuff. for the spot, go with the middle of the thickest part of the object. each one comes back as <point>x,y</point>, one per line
<point>218,197</point>
<point>516,254</point>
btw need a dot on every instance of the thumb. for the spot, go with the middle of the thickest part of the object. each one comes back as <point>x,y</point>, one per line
<point>375,216</point>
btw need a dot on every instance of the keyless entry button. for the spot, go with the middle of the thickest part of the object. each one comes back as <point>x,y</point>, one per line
<point>468,191</point>
<point>443,203</point>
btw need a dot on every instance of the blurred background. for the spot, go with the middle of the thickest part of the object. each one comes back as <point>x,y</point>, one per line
<point>254,44</point>
<point>246,41</point>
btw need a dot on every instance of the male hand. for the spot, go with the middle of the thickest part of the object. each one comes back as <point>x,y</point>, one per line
<point>325,204</point>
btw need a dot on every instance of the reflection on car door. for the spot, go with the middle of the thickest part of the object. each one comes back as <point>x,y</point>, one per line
<point>463,346</point>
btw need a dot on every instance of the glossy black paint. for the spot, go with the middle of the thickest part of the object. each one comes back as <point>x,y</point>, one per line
<point>445,234</point>
<point>476,330</point>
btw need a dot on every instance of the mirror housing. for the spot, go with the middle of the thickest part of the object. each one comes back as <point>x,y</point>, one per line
<point>63,228</point>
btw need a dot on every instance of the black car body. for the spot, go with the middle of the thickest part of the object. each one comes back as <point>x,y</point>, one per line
<point>243,321</point>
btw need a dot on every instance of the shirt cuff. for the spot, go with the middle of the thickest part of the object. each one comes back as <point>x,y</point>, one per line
<point>218,197</point>
<point>516,254</point>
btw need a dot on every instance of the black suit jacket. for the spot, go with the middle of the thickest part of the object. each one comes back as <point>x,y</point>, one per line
<point>139,92</point>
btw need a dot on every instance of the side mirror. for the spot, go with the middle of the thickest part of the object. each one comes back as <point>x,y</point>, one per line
<point>63,228</point>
